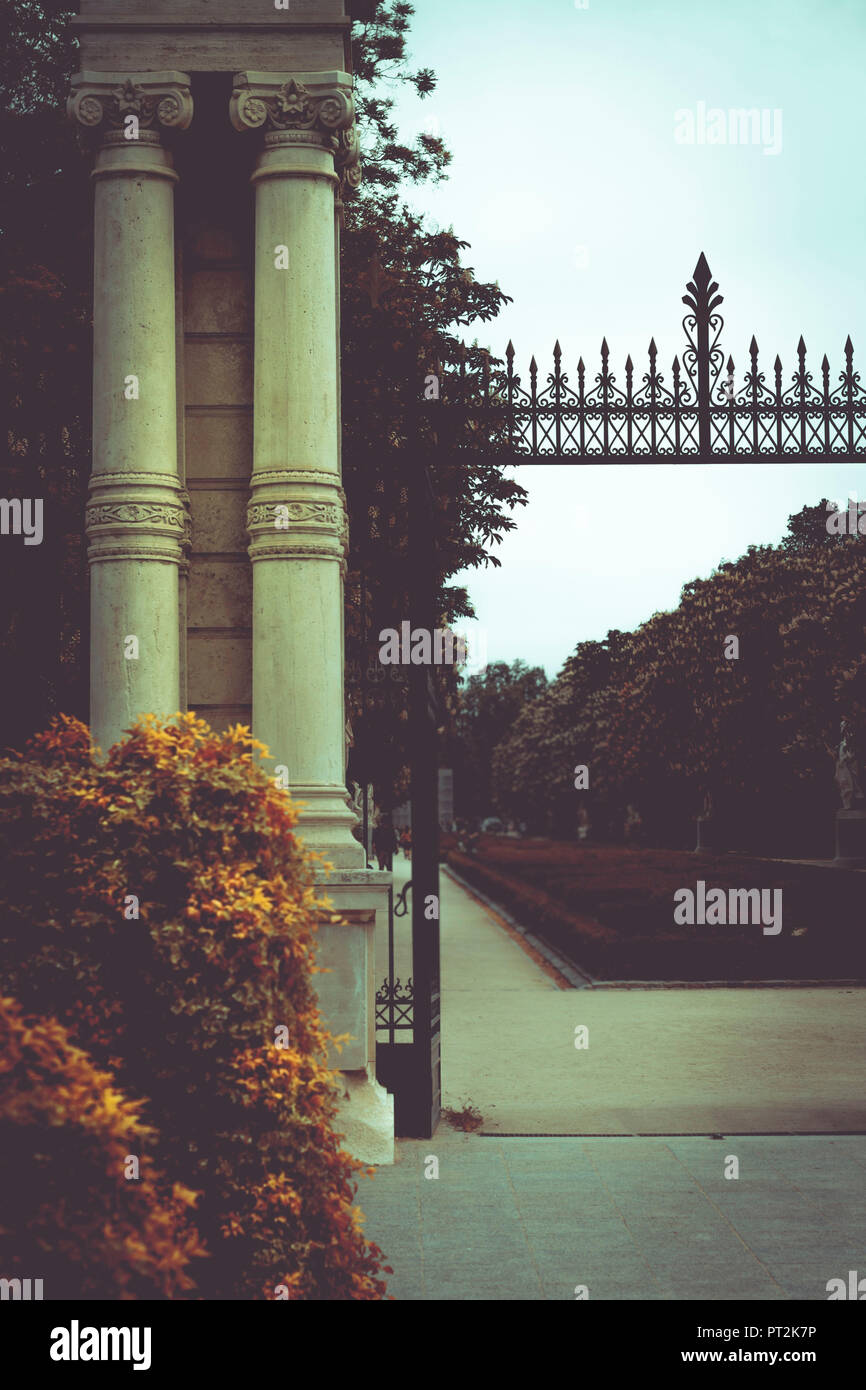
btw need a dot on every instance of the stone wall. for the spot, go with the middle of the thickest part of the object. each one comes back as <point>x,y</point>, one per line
<point>215,328</point>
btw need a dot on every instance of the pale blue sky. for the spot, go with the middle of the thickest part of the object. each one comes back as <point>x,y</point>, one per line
<point>561,124</point>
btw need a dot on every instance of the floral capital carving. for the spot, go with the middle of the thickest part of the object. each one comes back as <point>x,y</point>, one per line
<point>321,103</point>
<point>104,100</point>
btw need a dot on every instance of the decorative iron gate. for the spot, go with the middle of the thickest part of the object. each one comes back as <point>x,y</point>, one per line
<point>700,417</point>
<point>412,1070</point>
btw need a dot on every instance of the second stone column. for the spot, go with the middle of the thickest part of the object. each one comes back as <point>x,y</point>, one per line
<point>296,518</point>
<point>298,540</point>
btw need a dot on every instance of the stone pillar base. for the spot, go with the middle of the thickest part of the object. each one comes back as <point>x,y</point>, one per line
<point>366,1117</point>
<point>850,839</point>
<point>346,988</point>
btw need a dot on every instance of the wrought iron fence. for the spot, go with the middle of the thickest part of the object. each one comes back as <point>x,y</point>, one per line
<point>699,415</point>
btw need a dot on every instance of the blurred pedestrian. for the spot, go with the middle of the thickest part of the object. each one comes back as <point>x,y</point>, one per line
<point>384,843</point>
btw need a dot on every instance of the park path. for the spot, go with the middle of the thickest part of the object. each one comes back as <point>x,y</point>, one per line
<point>659,1061</point>
<point>625,1217</point>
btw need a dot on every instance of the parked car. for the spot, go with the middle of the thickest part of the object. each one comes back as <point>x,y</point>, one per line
<point>492,826</point>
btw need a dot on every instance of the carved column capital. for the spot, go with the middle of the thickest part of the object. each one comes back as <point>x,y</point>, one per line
<point>347,157</point>
<point>101,101</point>
<point>316,106</point>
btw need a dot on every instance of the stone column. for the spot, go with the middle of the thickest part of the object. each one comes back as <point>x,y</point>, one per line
<point>297,517</point>
<point>137,514</point>
<point>298,537</point>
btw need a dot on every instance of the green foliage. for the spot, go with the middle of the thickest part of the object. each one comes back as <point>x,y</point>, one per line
<point>44,364</point>
<point>488,705</point>
<point>660,716</point>
<point>408,295</point>
<point>70,1213</point>
<point>532,768</point>
<point>185,1000</point>
<point>37,54</point>
<point>809,528</point>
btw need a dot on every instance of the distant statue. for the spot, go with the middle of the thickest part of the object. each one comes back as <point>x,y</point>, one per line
<point>348,742</point>
<point>356,803</point>
<point>848,766</point>
<point>633,827</point>
<point>356,799</point>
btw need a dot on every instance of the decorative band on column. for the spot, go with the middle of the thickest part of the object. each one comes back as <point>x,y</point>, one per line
<point>137,516</point>
<point>131,102</point>
<point>297,512</point>
<point>307,107</point>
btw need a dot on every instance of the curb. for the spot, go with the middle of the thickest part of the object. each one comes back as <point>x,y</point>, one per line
<point>579,979</point>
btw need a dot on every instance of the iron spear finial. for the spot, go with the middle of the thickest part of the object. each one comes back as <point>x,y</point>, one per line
<point>702,274</point>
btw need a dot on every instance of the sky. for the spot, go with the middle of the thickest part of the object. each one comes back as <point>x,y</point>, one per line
<point>573,180</point>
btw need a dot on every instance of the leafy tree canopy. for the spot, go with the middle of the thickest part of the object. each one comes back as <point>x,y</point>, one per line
<point>662,715</point>
<point>488,706</point>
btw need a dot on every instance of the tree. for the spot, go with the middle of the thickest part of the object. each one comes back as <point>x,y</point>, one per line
<point>808,528</point>
<point>44,366</point>
<point>488,706</point>
<point>533,768</point>
<point>674,710</point>
<point>407,296</point>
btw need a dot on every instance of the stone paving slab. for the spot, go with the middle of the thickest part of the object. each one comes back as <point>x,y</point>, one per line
<point>517,1219</point>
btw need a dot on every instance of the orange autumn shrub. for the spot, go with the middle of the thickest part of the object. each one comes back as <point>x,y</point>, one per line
<point>75,1210</point>
<point>159,903</point>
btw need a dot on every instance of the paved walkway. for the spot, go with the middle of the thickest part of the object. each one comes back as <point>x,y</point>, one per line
<point>518,1219</point>
<point>629,1217</point>
<point>660,1061</point>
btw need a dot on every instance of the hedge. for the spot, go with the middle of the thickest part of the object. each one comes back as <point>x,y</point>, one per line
<point>82,1206</point>
<point>158,903</point>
